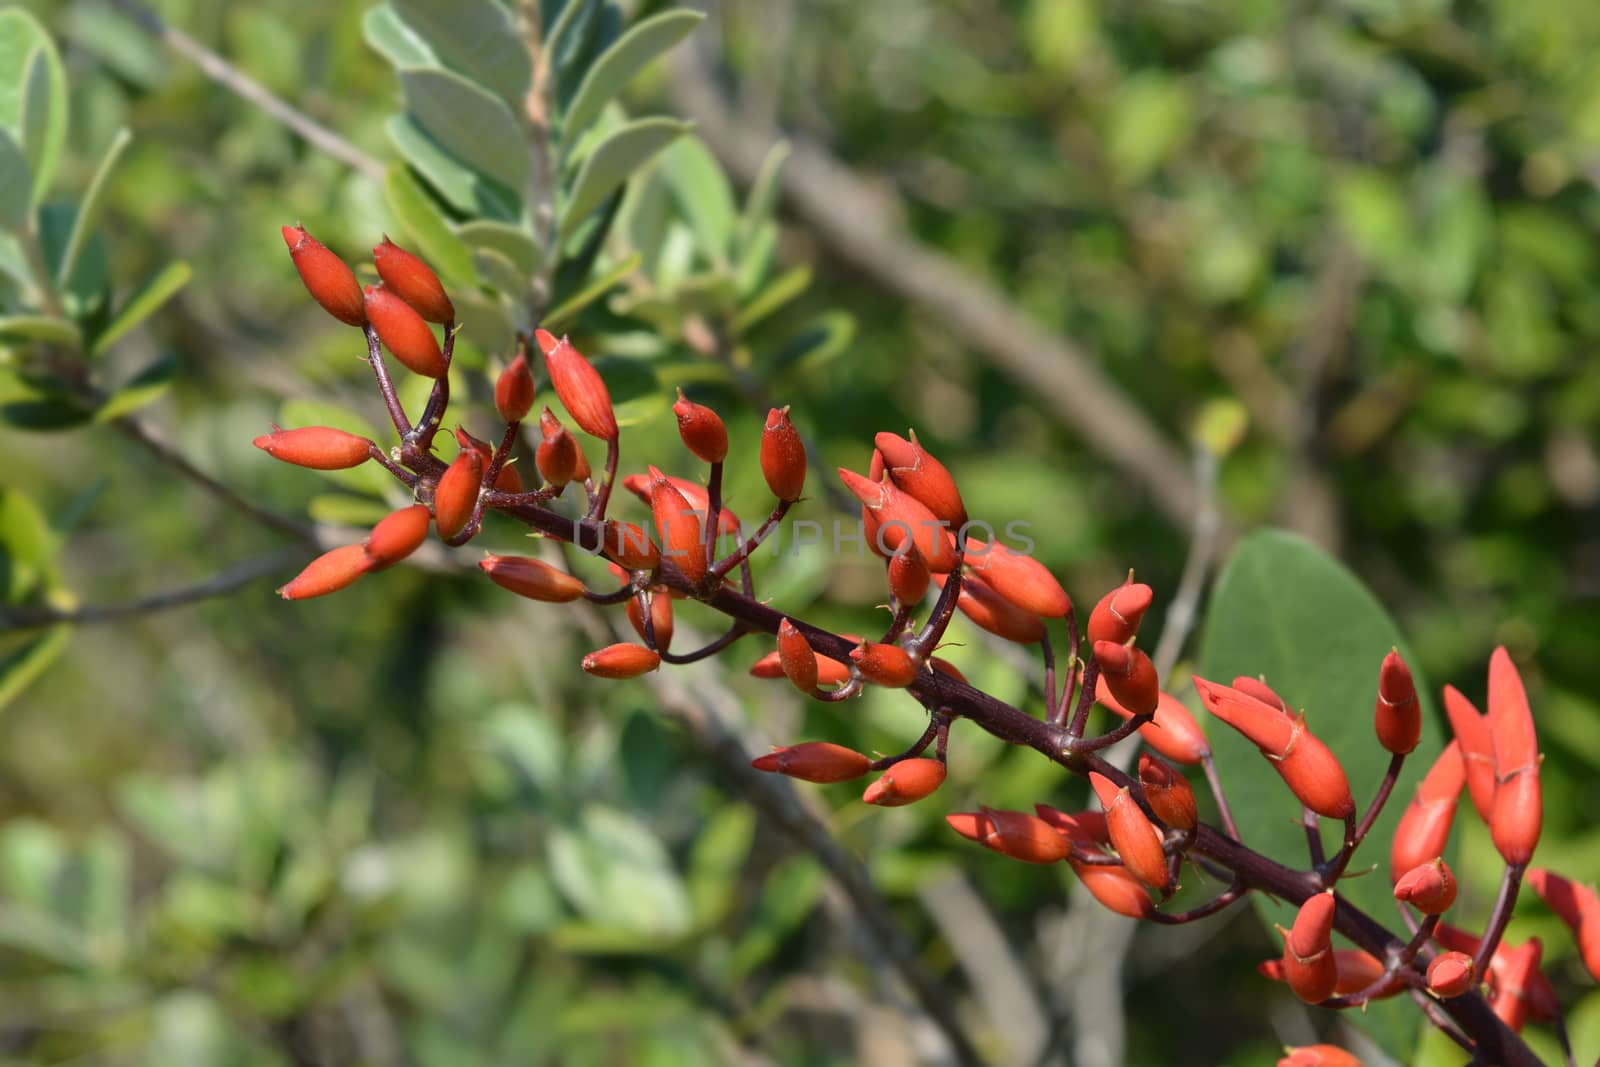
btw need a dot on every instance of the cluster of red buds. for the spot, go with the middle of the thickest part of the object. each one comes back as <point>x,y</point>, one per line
<point>1131,849</point>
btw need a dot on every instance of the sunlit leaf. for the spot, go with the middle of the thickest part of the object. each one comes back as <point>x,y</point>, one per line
<point>473,125</point>
<point>16,190</point>
<point>39,328</point>
<point>612,162</point>
<point>144,303</point>
<point>89,207</point>
<point>144,388</point>
<point>474,37</point>
<point>463,188</point>
<point>619,64</point>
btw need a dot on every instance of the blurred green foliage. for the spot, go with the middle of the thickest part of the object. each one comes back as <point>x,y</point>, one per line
<point>1356,241</point>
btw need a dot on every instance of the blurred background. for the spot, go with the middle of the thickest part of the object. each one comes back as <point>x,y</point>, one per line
<point>1348,250</point>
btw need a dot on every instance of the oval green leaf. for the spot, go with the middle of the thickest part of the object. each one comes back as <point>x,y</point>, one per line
<point>612,162</point>
<point>472,124</point>
<point>620,63</point>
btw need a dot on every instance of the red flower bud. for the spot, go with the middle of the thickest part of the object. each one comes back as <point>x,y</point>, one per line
<point>1318,1056</point>
<point>1308,963</point>
<point>625,660</point>
<point>514,390</point>
<point>1115,889</point>
<point>1398,716</point>
<point>1429,887</point>
<point>815,761</point>
<point>405,333</point>
<point>993,612</point>
<point>829,671</point>
<point>509,480</point>
<point>906,782</point>
<point>1168,793</point>
<point>1513,983</point>
<point>1357,971</point>
<point>946,667</point>
<point>783,456</point>
<point>1578,906</point>
<point>1306,765</point>
<point>321,448</point>
<point>1023,580</point>
<point>1511,732</point>
<point>1012,833</point>
<point>680,529</point>
<point>701,429</point>
<point>456,497</point>
<point>1133,835</point>
<point>557,456</point>
<point>532,578</point>
<point>1424,826</point>
<point>1130,675</point>
<point>414,282</point>
<point>397,535</point>
<point>908,575</point>
<point>796,656</point>
<point>923,477</point>
<point>328,573</point>
<point>893,517</point>
<point>1538,996</point>
<point>579,386</point>
<point>1517,817</point>
<point>661,622</point>
<point>326,278</point>
<point>1477,749</point>
<point>1451,974</point>
<point>1260,690</point>
<point>1117,616</point>
<point>1173,732</point>
<point>699,500</point>
<point>628,546</point>
<point>886,665</point>
<point>1085,829</point>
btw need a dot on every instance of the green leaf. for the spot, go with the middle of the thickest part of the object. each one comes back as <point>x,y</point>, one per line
<point>39,328</point>
<point>463,188</point>
<point>27,547</point>
<point>704,196</point>
<point>20,668</point>
<point>1284,610</point>
<point>572,28</point>
<point>499,273</point>
<point>44,116</point>
<point>762,199</point>
<point>40,406</point>
<point>514,243</point>
<point>784,288</point>
<point>476,38</point>
<point>146,301</point>
<point>470,123</point>
<point>562,314</point>
<point>16,189</point>
<point>612,162</point>
<point>89,207</point>
<point>396,41</point>
<point>429,233</point>
<point>143,388</point>
<point>621,62</point>
<point>818,344</point>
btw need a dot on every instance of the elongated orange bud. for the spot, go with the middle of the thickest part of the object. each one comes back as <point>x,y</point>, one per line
<point>1260,690</point>
<point>1477,749</point>
<point>1012,833</point>
<point>922,476</point>
<point>1314,774</point>
<point>798,659</point>
<point>944,666</point>
<point>1512,984</point>
<point>1168,793</point>
<point>1115,888</point>
<point>514,390</point>
<point>1173,732</point>
<point>699,500</point>
<point>1265,725</point>
<point>532,578</point>
<point>681,541</point>
<point>405,333</point>
<point>320,448</point>
<point>1085,829</point>
<point>624,660</point>
<point>905,782</point>
<point>1538,995</point>
<point>628,546</point>
<point>815,761</point>
<point>661,622</point>
<point>829,671</point>
<point>1511,732</point>
<point>993,612</point>
<point>414,282</point>
<point>701,429</point>
<point>887,665</point>
<point>1117,616</point>
<point>783,456</point>
<point>328,573</point>
<point>397,535</point>
<point>1133,835</point>
<point>1130,675</point>
<point>894,517</point>
<point>456,497</point>
<point>1518,816</point>
<point>1430,887</point>
<point>1451,974</point>
<point>1023,580</point>
<point>579,386</point>
<point>509,480</point>
<point>1424,826</point>
<point>557,456</point>
<point>908,575</point>
<point>1308,963</point>
<point>1578,906</point>
<point>1398,716</point>
<point>1357,971</point>
<point>329,281</point>
<point>1318,1056</point>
